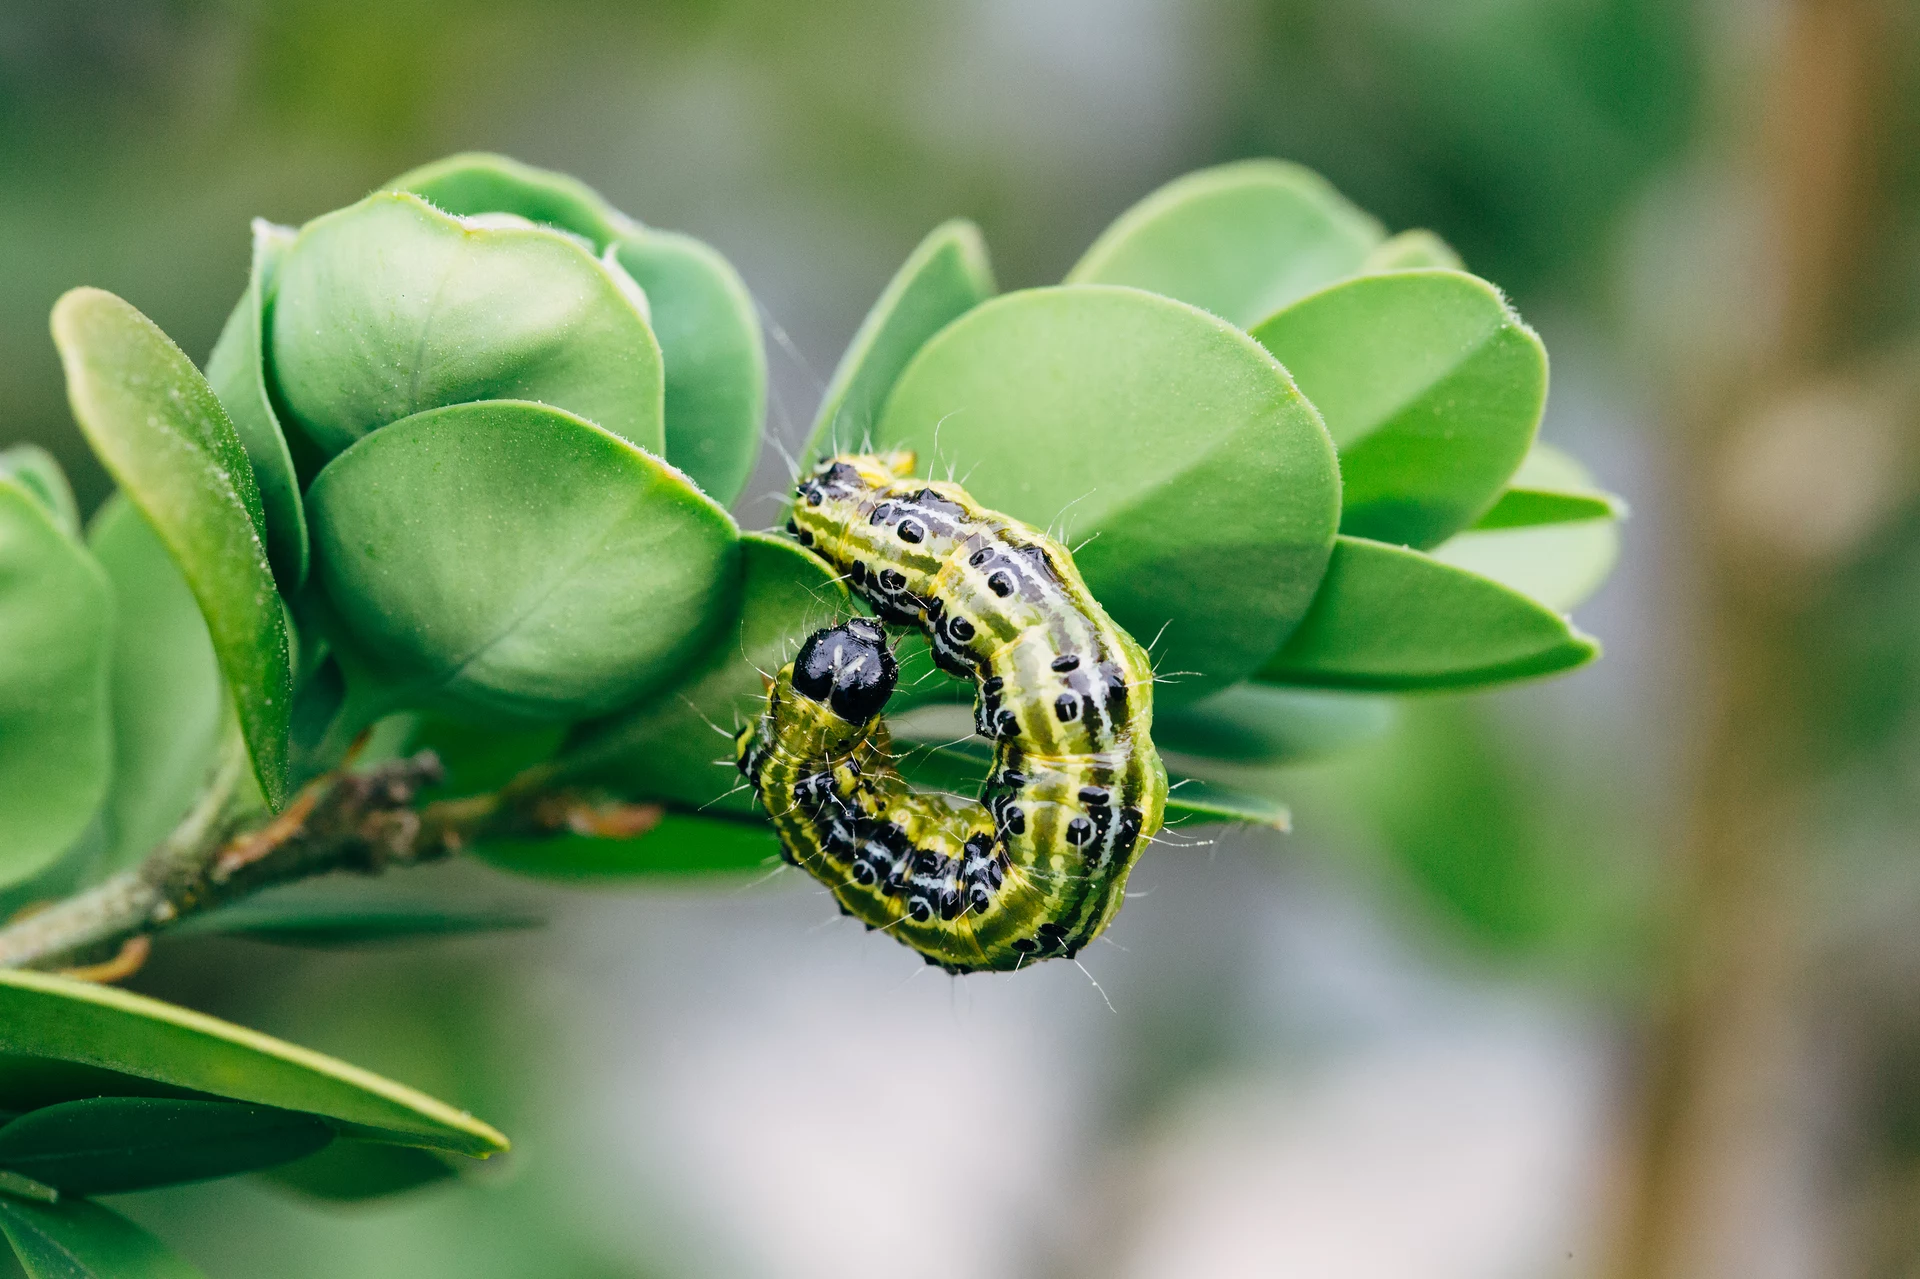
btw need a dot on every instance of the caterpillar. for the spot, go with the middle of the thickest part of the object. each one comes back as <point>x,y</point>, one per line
<point>1037,865</point>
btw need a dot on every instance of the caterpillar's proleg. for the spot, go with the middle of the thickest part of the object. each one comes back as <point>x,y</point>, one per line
<point>1037,866</point>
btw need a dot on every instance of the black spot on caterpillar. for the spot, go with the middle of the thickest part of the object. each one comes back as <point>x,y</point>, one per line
<point>1037,865</point>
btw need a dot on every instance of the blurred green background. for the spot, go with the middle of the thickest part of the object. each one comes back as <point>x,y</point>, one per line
<point>1615,976</point>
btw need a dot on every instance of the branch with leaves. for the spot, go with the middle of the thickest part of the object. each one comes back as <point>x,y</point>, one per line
<point>436,558</point>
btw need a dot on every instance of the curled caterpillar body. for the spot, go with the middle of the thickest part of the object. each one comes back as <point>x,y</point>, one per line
<point>1037,866</point>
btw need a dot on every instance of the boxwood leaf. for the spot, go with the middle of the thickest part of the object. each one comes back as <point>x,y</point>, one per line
<point>716,367</point>
<point>56,624</point>
<point>1431,387</point>
<point>162,434</point>
<point>482,182</point>
<point>1241,240</point>
<point>237,372</point>
<point>669,749</point>
<point>1195,481</point>
<point>1559,565</point>
<point>1258,723</point>
<point>1389,618</point>
<point>110,1145</point>
<point>1409,251</point>
<point>390,307</point>
<point>344,925</point>
<point>945,276</point>
<point>74,1239</point>
<point>683,844</point>
<point>168,709</point>
<point>62,1040</point>
<point>702,315</point>
<point>1550,488</point>
<point>35,470</point>
<point>510,560</point>
<point>357,1171</point>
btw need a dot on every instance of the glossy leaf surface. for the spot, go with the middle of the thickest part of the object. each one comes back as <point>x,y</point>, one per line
<point>390,308</point>
<point>237,372</point>
<point>1388,618</point>
<point>1195,481</point>
<point>1431,388</point>
<point>1241,240</point>
<point>168,709</point>
<point>512,561</point>
<point>160,431</point>
<point>56,627</point>
<point>716,366</point>
<point>670,749</point>
<point>110,1145</point>
<point>945,276</point>
<point>702,315</point>
<point>74,1239</point>
<point>62,1040</point>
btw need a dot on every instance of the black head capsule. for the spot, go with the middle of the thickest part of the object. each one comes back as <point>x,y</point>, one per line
<point>849,667</point>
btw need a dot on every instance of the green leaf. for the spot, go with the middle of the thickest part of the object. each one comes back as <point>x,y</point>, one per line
<point>1431,387</point>
<point>1388,618</point>
<point>168,709</point>
<point>62,1040</point>
<point>716,367</point>
<point>12,1183</point>
<point>56,623</point>
<point>345,925</point>
<point>1552,535</point>
<point>358,1171</point>
<point>1550,488</point>
<point>1195,482</point>
<point>1197,801</point>
<point>1256,723</point>
<point>162,434</point>
<point>481,182</point>
<point>75,1239</point>
<point>1559,565</point>
<point>1241,240</point>
<point>716,374</point>
<point>389,308</point>
<point>945,276</point>
<point>1410,251</point>
<point>237,372</point>
<point>683,844</point>
<point>669,749</point>
<point>111,1145</point>
<point>510,560</point>
<point>35,470</point>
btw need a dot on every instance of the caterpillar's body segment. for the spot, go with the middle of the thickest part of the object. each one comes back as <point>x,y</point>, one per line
<point>1038,864</point>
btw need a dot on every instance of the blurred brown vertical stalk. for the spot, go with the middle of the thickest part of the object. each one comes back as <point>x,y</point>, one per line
<point>1717,1175</point>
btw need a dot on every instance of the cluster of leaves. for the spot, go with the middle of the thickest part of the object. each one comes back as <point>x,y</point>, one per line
<point>458,472</point>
